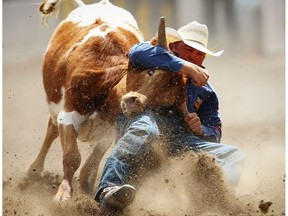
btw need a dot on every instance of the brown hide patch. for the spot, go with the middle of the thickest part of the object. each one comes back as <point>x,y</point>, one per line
<point>101,64</point>
<point>132,38</point>
<point>111,108</point>
<point>90,89</point>
<point>54,65</point>
<point>89,70</point>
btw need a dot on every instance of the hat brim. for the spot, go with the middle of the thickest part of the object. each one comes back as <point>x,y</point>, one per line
<point>173,36</point>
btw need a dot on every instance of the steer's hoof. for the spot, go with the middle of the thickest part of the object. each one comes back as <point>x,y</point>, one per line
<point>64,192</point>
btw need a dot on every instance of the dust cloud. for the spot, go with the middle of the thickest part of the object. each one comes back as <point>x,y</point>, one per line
<point>192,184</point>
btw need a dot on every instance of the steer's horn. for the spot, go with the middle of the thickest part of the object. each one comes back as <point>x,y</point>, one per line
<point>162,41</point>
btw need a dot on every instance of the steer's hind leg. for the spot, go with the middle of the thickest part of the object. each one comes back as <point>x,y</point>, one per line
<point>36,168</point>
<point>71,161</point>
<point>69,124</point>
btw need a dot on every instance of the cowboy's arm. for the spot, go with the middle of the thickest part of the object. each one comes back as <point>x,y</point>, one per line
<point>155,57</point>
<point>210,119</point>
<point>210,133</point>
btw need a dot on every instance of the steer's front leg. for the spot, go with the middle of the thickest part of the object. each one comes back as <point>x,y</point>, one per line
<point>69,124</point>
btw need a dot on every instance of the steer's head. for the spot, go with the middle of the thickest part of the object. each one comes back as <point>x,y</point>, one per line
<point>153,88</point>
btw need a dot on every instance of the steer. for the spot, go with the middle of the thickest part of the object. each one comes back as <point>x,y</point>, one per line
<point>85,71</point>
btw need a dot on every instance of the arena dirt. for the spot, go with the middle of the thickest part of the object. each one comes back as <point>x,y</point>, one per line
<point>188,185</point>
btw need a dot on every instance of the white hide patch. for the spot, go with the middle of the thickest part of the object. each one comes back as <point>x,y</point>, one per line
<point>71,118</point>
<point>109,13</point>
<point>98,32</point>
<point>65,118</point>
<point>92,33</point>
<point>54,108</point>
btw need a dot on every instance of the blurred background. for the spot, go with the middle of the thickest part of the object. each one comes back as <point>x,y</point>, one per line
<point>249,79</point>
<point>234,25</point>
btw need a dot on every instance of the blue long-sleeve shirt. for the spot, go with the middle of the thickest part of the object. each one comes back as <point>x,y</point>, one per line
<point>202,100</point>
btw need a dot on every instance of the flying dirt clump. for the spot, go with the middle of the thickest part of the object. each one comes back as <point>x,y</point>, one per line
<point>264,206</point>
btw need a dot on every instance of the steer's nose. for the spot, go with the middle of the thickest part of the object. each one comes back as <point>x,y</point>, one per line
<point>129,102</point>
<point>133,99</point>
<point>133,103</point>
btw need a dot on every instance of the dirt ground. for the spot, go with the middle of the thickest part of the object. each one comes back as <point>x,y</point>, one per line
<point>251,90</point>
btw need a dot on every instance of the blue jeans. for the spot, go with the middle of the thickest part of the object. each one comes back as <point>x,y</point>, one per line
<point>135,135</point>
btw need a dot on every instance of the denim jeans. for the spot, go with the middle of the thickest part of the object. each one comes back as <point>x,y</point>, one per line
<point>134,136</point>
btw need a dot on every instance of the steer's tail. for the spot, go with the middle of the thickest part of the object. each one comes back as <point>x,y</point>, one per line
<point>51,6</point>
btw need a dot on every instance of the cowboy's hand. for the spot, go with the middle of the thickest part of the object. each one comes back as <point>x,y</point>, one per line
<point>193,122</point>
<point>198,75</point>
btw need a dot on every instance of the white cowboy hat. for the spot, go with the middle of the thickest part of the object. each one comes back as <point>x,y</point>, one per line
<point>194,35</point>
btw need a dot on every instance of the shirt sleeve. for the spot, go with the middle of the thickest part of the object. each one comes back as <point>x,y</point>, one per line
<point>212,133</point>
<point>154,57</point>
<point>210,119</point>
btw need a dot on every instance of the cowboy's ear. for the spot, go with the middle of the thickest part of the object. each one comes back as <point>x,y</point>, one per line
<point>173,47</point>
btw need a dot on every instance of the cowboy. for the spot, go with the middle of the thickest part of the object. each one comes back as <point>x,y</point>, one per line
<point>200,130</point>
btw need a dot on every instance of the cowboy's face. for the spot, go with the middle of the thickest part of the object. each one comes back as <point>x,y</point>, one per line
<point>187,53</point>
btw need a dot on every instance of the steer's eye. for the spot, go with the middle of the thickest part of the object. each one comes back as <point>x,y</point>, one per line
<point>151,72</point>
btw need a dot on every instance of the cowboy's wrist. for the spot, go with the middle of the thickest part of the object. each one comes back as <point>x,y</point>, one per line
<point>188,69</point>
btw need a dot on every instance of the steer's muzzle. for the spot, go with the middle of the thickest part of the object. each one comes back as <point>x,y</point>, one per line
<point>133,103</point>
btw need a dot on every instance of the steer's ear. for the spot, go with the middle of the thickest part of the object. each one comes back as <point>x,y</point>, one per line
<point>154,41</point>
<point>162,41</point>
